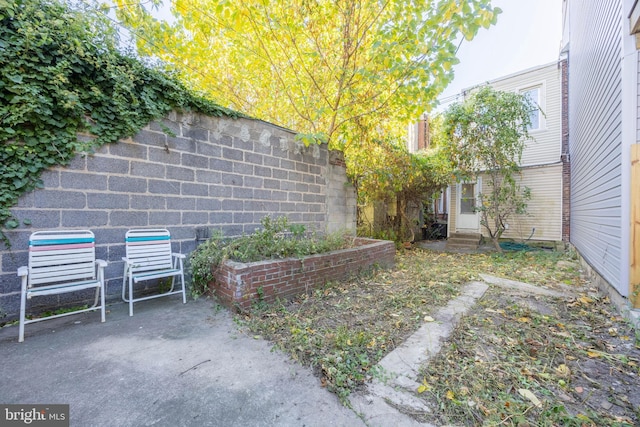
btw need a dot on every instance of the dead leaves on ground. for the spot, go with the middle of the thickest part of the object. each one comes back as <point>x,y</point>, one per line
<point>345,328</point>
<point>497,359</point>
<point>522,367</point>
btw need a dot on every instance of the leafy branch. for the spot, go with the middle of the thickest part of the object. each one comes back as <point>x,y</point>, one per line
<point>485,136</point>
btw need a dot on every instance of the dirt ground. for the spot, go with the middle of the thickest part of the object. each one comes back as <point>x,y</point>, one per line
<point>523,359</point>
<point>517,359</point>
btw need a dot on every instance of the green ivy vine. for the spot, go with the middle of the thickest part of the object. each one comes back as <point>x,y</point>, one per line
<point>61,74</point>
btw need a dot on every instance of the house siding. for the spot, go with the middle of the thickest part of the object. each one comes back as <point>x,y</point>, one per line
<point>543,148</point>
<point>544,210</point>
<point>595,121</point>
<point>541,159</point>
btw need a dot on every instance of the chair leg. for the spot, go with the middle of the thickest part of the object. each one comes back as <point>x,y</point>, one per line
<point>130,296</point>
<point>96,298</point>
<point>124,282</point>
<point>23,306</point>
<point>173,284</point>
<point>102,297</point>
<point>184,294</point>
<point>103,290</point>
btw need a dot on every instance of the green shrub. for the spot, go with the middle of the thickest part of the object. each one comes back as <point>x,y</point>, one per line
<point>276,240</point>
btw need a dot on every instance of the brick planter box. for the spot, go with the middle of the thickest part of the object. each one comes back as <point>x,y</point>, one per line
<point>238,285</point>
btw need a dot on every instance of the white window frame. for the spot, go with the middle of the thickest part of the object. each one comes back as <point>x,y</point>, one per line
<point>542,100</point>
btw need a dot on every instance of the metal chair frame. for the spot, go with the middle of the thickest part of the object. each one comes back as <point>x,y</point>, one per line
<point>61,261</point>
<point>149,257</point>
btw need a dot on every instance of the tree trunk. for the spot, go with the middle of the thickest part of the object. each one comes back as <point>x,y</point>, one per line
<point>496,243</point>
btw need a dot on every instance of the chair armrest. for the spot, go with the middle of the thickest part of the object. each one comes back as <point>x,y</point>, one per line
<point>23,271</point>
<point>181,256</point>
<point>101,263</point>
<point>126,260</point>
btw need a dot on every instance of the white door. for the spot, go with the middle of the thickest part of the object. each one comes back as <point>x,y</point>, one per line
<point>468,218</point>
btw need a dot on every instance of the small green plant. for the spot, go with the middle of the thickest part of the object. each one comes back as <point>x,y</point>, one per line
<point>259,303</point>
<point>204,260</point>
<point>63,310</point>
<point>276,239</point>
<point>164,285</point>
<point>3,314</point>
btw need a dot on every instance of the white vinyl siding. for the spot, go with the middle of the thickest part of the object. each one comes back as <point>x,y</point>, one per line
<point>544,210</point>
<point>595,116</point>
<point>545,144</point>
<point>542,171</point>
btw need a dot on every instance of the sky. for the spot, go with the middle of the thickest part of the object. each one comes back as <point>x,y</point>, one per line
<point>527,34</point>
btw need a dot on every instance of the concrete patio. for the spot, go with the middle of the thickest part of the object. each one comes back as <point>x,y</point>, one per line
<point>168,365</point>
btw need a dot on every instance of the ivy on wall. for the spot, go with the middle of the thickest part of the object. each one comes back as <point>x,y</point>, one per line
<point>61,74</point>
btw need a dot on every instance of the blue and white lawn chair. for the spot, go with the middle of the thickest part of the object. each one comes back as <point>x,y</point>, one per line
<point>149,257</point>
<point>61,261</point>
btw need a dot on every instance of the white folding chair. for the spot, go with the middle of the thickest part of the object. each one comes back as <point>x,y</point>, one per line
<point>149,257</point>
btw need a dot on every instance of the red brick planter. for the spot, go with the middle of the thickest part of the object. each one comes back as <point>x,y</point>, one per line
<point>239,284</point>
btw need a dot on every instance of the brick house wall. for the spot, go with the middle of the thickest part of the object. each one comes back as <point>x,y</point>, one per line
<point>212,172</point>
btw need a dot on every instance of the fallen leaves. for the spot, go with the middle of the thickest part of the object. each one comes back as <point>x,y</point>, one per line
<point>594,354</point>
<point>530,396</point>
<point>348,327</point>
<point>563,371</point>
<point>506,364</point>
<point>529,366</point>
<point>423,387</point>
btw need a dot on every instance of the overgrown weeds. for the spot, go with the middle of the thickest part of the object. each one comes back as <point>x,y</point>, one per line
<point>276,239</point>
<point>537,361</point>
<point>344,329</point>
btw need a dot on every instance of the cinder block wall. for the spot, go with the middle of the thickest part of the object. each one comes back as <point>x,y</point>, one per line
<point>211,173</point>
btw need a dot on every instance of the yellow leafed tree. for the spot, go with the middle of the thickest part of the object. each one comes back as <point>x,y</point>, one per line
<point>333,70</point>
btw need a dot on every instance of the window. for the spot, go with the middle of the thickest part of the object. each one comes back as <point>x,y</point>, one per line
<point>534,115</point>
<point>467,199</point>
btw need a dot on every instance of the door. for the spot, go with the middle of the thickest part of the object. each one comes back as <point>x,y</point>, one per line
<point>468,218</point>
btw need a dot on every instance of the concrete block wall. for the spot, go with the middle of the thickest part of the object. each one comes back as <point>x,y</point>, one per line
<point>238,285</point>
<point>205,173</point>
<point>341,206</point>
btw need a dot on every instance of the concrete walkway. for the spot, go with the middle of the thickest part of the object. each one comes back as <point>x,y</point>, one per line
<point>380,404</point>
<point>168,365</point>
